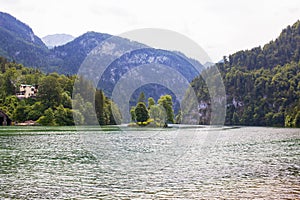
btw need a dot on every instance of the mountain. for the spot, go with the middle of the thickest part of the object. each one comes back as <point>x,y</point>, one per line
<point>161,62</point>
<point>66,59</point>
<point>57,40</point>
<point>19,43</point>
<point>118,57</point>
<point>262,84</point>
<point>285,49</point>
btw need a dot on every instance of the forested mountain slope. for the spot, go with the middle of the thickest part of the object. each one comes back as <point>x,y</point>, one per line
<point>262,84</point>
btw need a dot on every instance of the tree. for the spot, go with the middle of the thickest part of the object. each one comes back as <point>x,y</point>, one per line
<point>20,113</point>
<point>235,119</point>
<point>141,112</point>
<point>158,114</point>
<point>142,97</point>
<point>288,122</point>
<point>99,106</point>
<point>47,119</point>
<point>278,119</point>
<point>36,111</point>
<point>88,114</point>
<point>66,100</point>
<point>296,122</point>
<point>85,108</point>
<point>78,117</point>
<point>166,102</point>
<point>132,114</point>
<point>63,116</point>
<point>9,78</point>
<point>3,61</point>
<point>151,102</point>
<point>50,92</point>
<point>178,118</point>
<point>9,105</point>
<point>115,114</point>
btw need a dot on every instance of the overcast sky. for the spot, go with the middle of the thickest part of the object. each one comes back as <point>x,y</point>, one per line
<point>220,27</point>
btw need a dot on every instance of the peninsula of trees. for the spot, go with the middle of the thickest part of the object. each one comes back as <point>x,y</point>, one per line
<point>154,115</point>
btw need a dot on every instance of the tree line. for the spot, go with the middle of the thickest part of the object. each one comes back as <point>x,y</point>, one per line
<point>153,114</point>
<point>53,103</point>
<point>262,84</point>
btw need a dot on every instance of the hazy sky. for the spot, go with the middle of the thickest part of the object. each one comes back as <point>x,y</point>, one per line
<point>220,27</point>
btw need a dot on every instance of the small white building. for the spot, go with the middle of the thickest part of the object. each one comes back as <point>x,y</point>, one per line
<point>27,91</point>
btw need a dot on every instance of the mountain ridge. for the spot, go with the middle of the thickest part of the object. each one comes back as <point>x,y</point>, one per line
<point>19,43</point>
<point>13,25</point>
<point>284,49</point>
<point>68,58</point>
<point>65,58</point>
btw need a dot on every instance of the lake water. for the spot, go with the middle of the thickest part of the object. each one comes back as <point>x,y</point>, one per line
<point>182,163</point>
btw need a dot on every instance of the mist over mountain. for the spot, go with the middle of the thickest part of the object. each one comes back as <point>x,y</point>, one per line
<point>57,40</point>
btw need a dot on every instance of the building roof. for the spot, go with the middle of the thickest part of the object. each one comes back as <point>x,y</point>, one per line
<point>26,85</point>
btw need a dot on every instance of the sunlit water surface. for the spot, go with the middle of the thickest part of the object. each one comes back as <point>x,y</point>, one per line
<point>183,163</point>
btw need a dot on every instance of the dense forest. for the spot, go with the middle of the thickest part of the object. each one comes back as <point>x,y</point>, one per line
<point>53,103</point>
<point>262,84</point>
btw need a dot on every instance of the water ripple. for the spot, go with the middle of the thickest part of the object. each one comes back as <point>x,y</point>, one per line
<point>242,163</point>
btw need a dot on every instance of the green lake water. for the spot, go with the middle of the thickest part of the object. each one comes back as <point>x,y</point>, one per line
<point>130,163</point>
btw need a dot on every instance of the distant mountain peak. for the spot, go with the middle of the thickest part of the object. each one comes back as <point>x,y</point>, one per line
<point>57,39</point>
<point>209,64</point>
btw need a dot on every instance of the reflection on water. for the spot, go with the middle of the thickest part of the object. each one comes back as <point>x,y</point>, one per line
<point>199,163</point>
